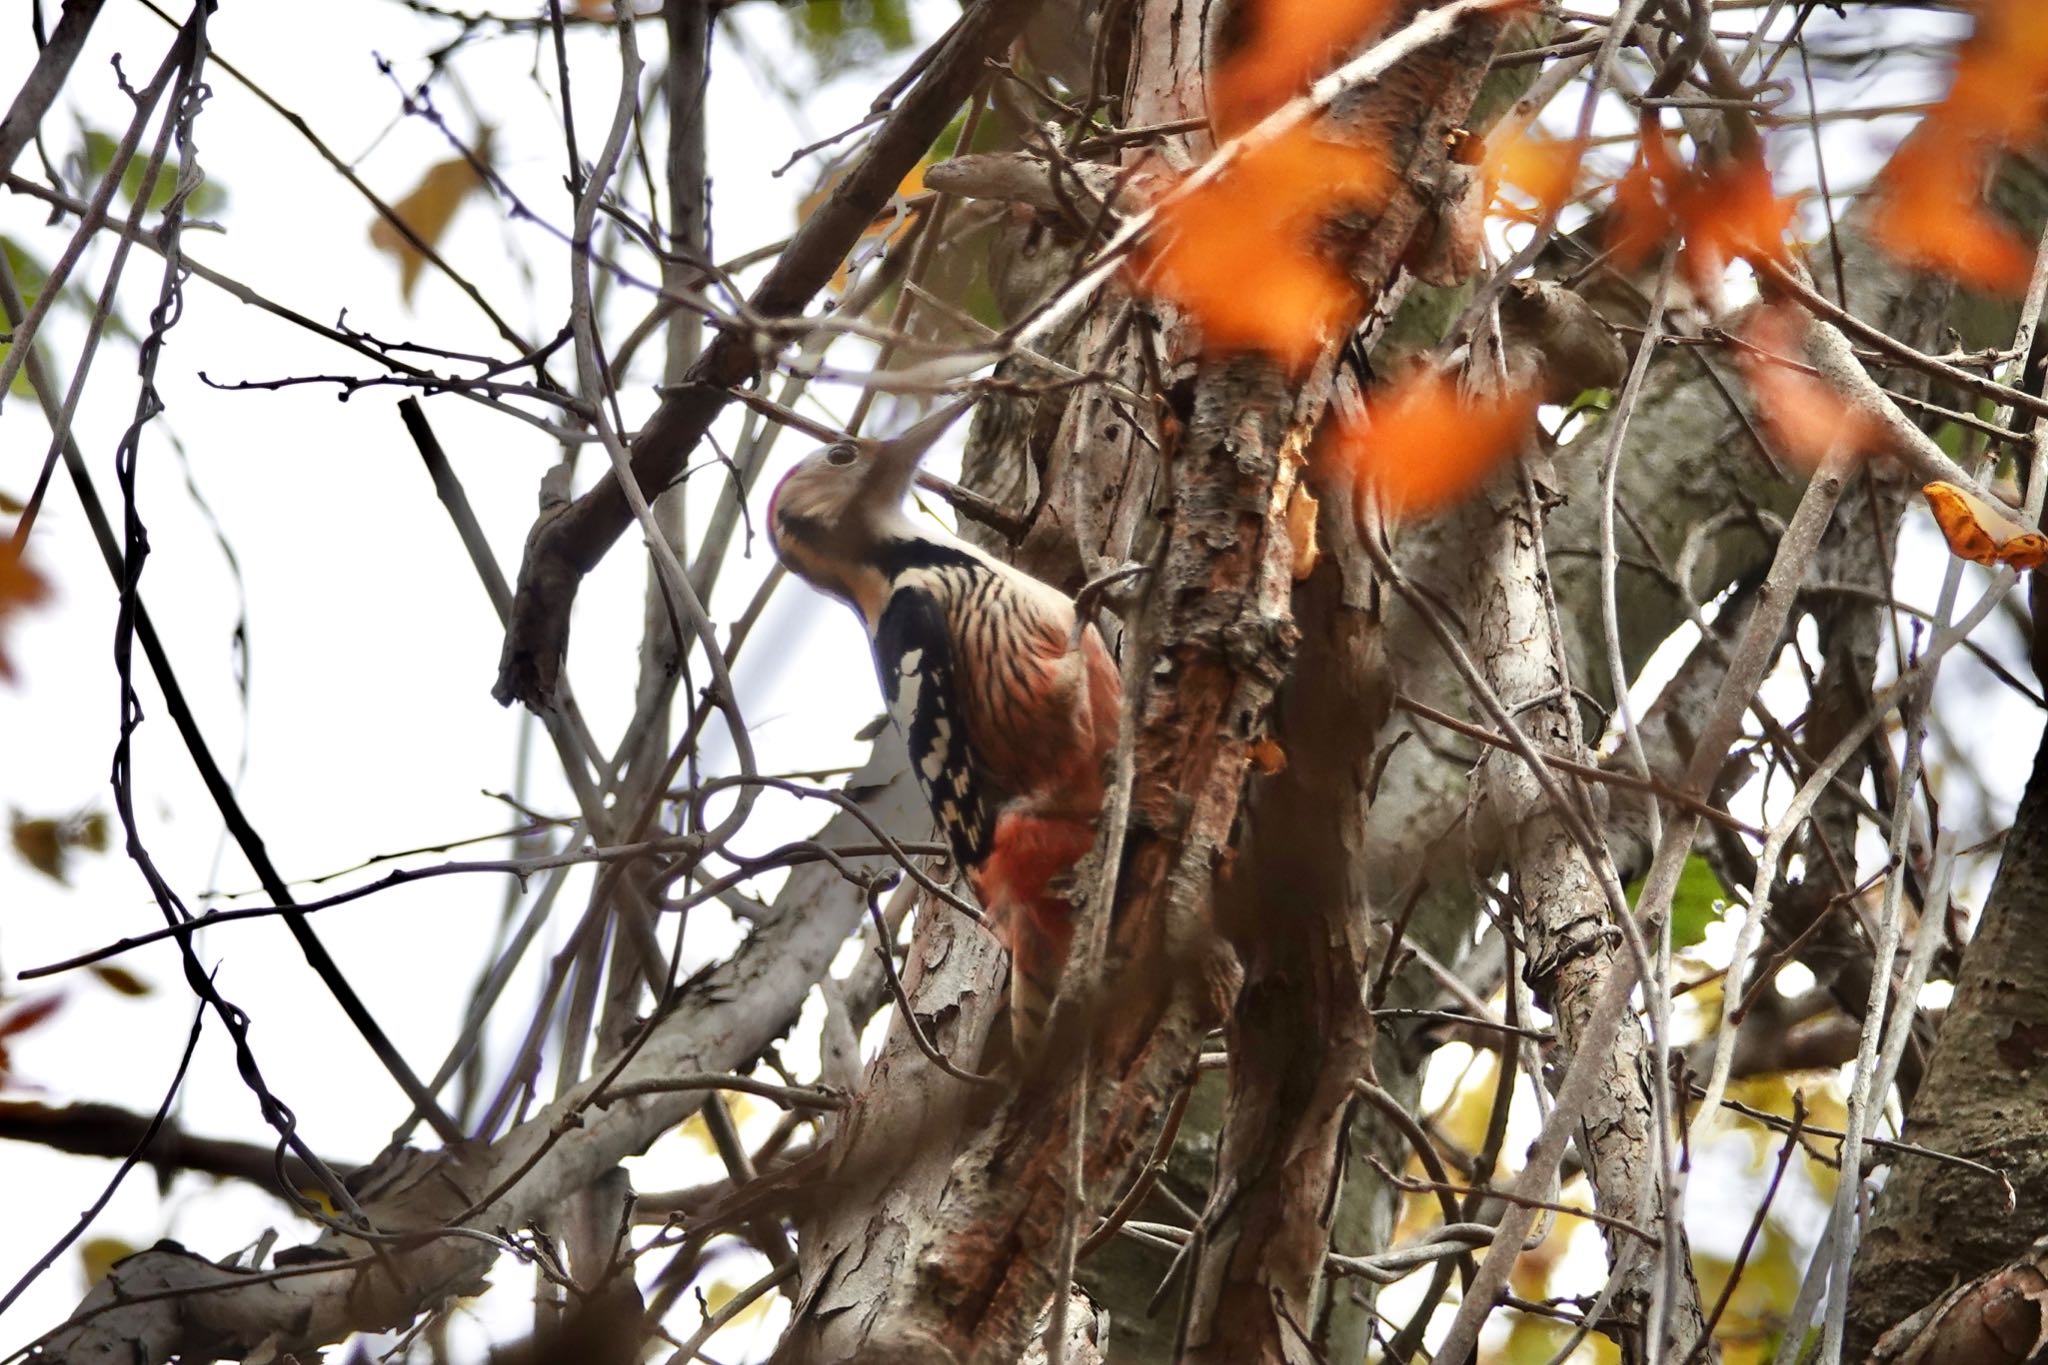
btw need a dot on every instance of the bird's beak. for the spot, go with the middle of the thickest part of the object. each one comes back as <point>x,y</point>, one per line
<point>894,461</point>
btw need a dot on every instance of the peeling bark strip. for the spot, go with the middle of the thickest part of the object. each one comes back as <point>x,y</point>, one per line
<point>566,543</point>
<point>1301,1033</point>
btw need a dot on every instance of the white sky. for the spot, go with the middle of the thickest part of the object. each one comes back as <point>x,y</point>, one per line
<point>371,726</point>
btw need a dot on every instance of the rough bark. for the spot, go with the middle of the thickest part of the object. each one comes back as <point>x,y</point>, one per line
<point>1985,1097</point>
<point>1294,905</point>
<point>973,1276</point>
<point>1301,1032</point>
<point>1570,937</point>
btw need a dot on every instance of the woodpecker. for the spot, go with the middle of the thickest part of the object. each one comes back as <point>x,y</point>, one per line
<point>1007,718</point>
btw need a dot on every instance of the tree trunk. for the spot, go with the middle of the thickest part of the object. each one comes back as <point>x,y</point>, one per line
<point>1985,1097</point>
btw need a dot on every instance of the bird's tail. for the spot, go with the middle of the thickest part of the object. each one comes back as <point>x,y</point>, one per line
<point>1038,936</point>
<point>1035,921</point>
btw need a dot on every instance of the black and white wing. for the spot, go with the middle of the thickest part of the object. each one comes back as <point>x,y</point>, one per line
<point>920,678</point>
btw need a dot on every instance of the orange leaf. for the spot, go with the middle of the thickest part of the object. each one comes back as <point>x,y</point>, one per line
<point>1981,532</point>
<point>1240,252</point>
<point>2001,73</point>
<point>1929,215</point>
<point>1286,46</point>
<point>1269,758</point>
<point>893,223</point>
<point>20,586</point>
<point>1724,212</point>
<point>1301,531</point>
<point>1805,415</point>
<point>1732,212</point>
<point>1930,207</point>
<point>1424,446</point>
<point>1542,168</point>
<point>1643,218</point>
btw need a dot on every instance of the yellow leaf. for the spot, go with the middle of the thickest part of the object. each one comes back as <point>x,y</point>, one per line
<point>698,1134</point>
<point>97,1255</point>
<point>1982,533</point>
<point>428,210</point>
<point>723,1292</point>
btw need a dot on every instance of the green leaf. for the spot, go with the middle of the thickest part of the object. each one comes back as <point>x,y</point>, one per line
<point>28,275</point>
<point>845,32</point>
<point>1591,400</point>
<point>96,155</point>
<point>1699,900</point>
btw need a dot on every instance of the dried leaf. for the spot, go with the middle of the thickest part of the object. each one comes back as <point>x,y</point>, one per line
<point>1241,254</point>
<point>45,844</point>
<point>1425,447</point>
<point>1805,416</point>
<point>20,587</point>
<point>1980,531</point>
<point>89,831</point>
<point>1268,757</point>
<point>1285,46</point>
<point>120,979</point>
<point>39,844</point>
<point>428,210</point>
<point>29,1014</point>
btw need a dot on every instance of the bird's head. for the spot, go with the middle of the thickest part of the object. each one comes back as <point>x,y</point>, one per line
<point>843,501</point>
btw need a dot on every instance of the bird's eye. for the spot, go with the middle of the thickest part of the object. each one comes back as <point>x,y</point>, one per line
<point>842,455</point>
